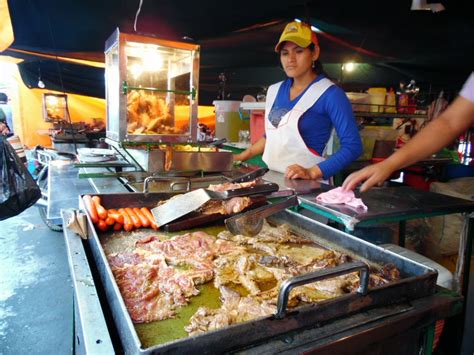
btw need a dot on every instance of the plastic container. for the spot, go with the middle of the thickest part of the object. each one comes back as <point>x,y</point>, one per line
<point>360,101</point>
<point>445,277</point>
<point>377,99</point>
<point>257,119</point>
<point>228,122</point>
<point>391,102</point>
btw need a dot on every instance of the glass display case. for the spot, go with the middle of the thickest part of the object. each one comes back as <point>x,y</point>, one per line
<point>55,107</point>
<point>151,89</point>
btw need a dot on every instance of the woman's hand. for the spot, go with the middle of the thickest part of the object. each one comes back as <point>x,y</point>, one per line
<point>250,152</point>
<point>296,171</point>
<point>239,157</point>
<point>374,174</point>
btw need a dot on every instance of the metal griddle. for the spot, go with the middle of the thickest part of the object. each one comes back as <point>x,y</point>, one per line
<point>417,281</point>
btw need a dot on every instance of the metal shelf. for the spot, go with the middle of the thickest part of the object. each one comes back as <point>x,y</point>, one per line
<point>390,115</point>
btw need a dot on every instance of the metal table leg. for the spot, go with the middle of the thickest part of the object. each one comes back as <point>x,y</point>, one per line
<point>401,232</point>
<point>468,292</point>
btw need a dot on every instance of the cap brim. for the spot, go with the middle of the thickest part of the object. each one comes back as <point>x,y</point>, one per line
<point>296,40</point>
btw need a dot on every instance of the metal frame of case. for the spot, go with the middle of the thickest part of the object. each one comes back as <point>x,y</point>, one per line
<point>116,84</point>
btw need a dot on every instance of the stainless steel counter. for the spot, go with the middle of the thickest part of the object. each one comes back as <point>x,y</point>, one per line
<point>300,186</point>
<point>64,187</point>
<point>104,184</point>
<point>92,334</point>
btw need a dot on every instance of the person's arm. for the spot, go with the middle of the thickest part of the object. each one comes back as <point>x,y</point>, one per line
<point>255,149</point>
<point>455,120</point>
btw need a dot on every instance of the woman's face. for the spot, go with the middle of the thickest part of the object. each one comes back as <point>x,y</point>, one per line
<point>297,61</point>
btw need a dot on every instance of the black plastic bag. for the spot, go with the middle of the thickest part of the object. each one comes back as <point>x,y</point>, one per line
<point>18,190</point>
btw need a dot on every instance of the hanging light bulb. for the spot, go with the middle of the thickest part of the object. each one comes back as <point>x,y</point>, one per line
<point>40,82</point>
<point>348,67</point>
<point>152,61</point>
<point>136,70</point>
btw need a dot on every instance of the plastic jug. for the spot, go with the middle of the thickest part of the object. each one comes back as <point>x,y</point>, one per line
<point>391,102</point>
<point>377,99</point>
<point>228,122</point>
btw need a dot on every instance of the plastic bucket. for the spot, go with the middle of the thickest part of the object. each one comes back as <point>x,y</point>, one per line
<point>257,125</point>
<point>377,99</point>
<point>359,100</point>
<point>228,122</point>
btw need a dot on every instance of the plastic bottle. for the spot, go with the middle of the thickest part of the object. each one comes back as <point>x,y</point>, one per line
<point>402,103</point>
<point>377,99</point>
<point>390,101</point>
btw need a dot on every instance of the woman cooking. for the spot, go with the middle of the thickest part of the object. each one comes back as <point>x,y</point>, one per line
<point>301,112</point>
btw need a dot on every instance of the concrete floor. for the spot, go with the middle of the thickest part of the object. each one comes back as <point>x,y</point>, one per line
<point>36,294</point>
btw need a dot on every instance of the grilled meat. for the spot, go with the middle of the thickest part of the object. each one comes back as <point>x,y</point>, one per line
<point>268,234</point>
<point>235,309</point>
<point>231,185</point>
<point>226,207</point>
<point>272,257</point>
<point>160,275</point>
<point>151,289</point>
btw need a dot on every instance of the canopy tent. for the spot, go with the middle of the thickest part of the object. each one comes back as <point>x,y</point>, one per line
<point>237,38</point>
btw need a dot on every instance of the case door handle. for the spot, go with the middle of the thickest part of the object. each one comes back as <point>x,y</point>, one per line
<point>180,181</point>
<point>342,269</point>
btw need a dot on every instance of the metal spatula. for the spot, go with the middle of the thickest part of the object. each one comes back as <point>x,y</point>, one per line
<point>250,223</point>
<point>181,205</point>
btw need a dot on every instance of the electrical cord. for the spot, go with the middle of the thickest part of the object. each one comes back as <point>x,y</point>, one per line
<point>136,16</point>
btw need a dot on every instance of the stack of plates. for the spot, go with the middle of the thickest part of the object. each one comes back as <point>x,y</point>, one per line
<point>89,155</point>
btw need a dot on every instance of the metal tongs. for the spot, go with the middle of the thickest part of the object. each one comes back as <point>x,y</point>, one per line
<point>250,223</point>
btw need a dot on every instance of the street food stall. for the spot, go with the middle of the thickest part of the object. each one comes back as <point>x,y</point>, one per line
<point>192,286</point>
<point>287,283</point>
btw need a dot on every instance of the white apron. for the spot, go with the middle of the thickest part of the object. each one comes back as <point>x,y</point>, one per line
<point>284,145</point>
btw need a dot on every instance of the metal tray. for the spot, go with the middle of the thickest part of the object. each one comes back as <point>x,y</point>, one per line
<point>417,281</point>
<point>154,160</point>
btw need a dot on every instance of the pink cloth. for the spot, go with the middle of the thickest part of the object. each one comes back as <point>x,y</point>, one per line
<point>338,196</point>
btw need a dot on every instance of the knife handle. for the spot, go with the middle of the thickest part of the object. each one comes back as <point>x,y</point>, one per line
<point>268,210</point>
<point>251,175</point>
<point>281,193</point>
<point>266,188</point>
